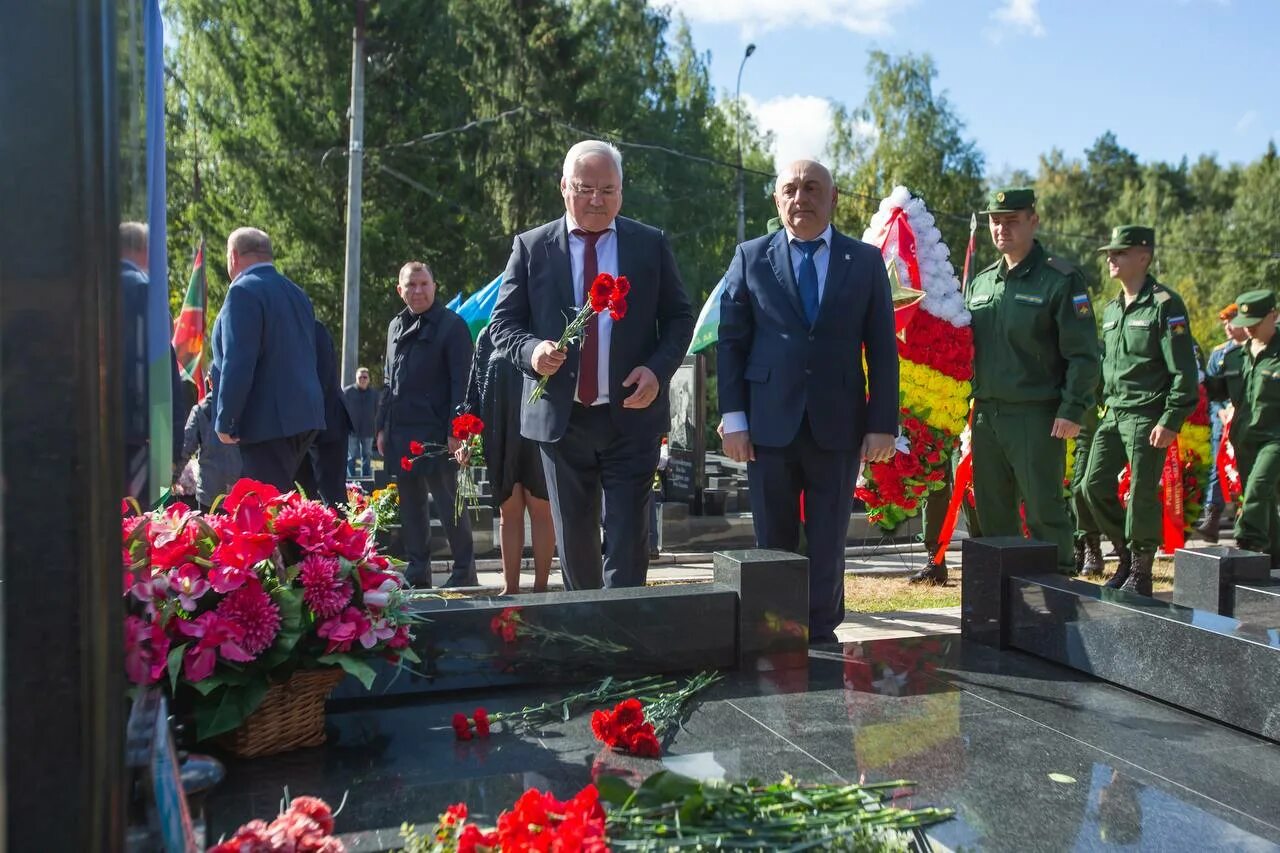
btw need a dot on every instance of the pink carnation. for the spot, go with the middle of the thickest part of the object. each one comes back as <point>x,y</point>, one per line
<point>341,631</point>
<point>255,613</point>
<point>323,591</point>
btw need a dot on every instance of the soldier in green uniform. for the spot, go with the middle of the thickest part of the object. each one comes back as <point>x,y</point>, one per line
<point>1255,427</point>
<point>1035,369</point>
<point>1088,537</point>
<point>1150,386</point>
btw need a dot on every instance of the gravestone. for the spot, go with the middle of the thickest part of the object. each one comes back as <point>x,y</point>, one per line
<point>686,466</point>
<point>1205,578</point>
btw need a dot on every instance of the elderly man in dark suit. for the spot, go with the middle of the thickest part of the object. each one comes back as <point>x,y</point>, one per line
<point>605,408</point>
<point>428,357</point>
<point>264,364</point>
<point>800,310</point>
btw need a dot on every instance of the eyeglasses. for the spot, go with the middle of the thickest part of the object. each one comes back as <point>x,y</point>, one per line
<point>587,192</point>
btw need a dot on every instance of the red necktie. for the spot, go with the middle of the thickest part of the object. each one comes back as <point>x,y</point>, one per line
<point>588,369</point>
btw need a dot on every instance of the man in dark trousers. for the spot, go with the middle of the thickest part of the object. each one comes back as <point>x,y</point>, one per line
<point>800,310</point>
<point>428,357</point>
<point>323,472</point>
<point>362,405</point>
<point>134,245</point>
<point>606,407</point>
<point>264,364</point>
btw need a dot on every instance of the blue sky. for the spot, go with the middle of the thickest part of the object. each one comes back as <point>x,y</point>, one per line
<point>1169,77</point>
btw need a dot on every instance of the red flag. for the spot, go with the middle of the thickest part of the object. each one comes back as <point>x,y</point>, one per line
<point>1228,473</point>
<point>188,332</point>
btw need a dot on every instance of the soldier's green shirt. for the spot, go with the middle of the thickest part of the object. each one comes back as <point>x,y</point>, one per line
<point>1257,418</point>
<point>1034,338</point>
<point>1148,361</point>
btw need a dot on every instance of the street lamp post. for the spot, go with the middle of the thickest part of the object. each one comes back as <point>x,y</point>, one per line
<point>742,207</point>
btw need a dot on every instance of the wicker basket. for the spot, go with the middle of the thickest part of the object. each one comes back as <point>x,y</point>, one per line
<point>290,717</point>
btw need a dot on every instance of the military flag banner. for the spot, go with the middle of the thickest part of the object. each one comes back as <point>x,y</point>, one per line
<point>189,331</point>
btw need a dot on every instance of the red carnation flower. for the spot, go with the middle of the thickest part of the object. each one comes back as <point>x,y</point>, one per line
<point>406,463</point>
<point>417,448</point>
<point>482,722</point>
<point>617,309</point>
<point>601,292</point>
<point>454,814</point>
<point>621,287</point>
<point>461,726</point>
<point>645,744</point>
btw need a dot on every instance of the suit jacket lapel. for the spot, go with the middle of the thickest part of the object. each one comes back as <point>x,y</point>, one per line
<point>558,262</point>
<point>779,253</point>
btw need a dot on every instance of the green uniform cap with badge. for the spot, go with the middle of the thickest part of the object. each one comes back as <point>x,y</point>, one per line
<point>1011,200</point>
<point>1253,307</point>
<point>1130,236</point>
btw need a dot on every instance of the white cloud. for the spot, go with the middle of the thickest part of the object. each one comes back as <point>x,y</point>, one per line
<point>1016,17</point>
<point>1248,120</point>
<point>800,125</point>
<point>867,17</point>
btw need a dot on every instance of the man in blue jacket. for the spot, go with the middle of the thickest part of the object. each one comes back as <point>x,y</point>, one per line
<point>800,310</point>
<point>264,364</point>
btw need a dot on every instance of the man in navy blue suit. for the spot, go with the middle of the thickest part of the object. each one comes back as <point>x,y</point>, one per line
<point>264,364</point>
<point>799,311</point>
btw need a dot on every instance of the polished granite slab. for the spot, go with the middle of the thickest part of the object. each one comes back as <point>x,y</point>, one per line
<point>1205,578</point>
<point>1032,755</point>
<point>1195,659</point>
<point>1257,604</point>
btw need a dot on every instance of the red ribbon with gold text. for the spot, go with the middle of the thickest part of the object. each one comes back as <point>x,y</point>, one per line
<point>1171,490</point>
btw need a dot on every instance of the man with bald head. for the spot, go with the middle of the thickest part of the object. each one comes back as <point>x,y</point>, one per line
<point>599,424</point>
<point>800,310</point>
<point>269,400</point>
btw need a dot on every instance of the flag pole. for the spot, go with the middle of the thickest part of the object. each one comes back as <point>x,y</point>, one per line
<point>968,254</point>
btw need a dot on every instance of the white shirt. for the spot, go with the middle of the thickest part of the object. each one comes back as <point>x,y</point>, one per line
<point>737,421</point>
<point>606,261</point>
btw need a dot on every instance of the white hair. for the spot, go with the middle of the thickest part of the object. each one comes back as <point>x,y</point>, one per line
<point>588,147</point>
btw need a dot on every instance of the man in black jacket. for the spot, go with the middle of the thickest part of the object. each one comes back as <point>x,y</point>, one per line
<point>362,404</point>
<point>428,356</point>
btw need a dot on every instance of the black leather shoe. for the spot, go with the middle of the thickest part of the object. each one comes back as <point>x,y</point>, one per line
<point>934,574</point>
<point>457,580</point>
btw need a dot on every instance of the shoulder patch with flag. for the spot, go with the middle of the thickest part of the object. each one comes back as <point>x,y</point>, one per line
<point>1178,325</point>
<point>1081,303</point>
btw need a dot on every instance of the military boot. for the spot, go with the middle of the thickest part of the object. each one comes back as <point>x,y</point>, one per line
<point>1139,579</point>
<point>1122,571</point>
<point>934,574</point>
<point>1092,565</point>
<point>1209,523</point>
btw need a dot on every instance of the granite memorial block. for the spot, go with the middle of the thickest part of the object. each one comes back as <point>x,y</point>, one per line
<point>1203,662</point>
<point>560,637</point>
<point>1204,578</point>
<point>685,475</point>
<point>987,565</point>
<point>1257,604</point>
<point>773,606</point>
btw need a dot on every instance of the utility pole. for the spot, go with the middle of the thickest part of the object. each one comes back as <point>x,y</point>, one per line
<point>742,202</point>
<point>355,173</point>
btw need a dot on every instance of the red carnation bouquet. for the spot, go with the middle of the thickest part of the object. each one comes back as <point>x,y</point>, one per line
<point>307,825</point>
<point>468,429</point>
<point>606,294</point>
<point>625,728</point>
<point>223,604</point>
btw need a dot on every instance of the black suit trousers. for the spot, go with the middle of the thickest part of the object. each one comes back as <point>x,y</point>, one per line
<point>592,459</point>
<point>777,477</point>
<point>275,460</point>
<point>437,476</point>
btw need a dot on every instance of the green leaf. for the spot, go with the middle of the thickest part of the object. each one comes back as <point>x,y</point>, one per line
<point>226,678</point>
<point>666,786</point>
<point>229,710</point>
<point>407,653</point>
<point>353,666</point>
<point>614,790</point>
<point>291,627</point>
<point>175,666</point>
